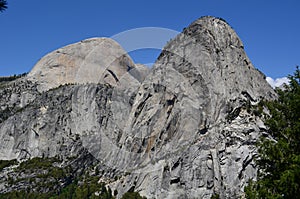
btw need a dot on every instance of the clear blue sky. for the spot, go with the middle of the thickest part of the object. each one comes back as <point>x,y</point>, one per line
<point>269,29</point>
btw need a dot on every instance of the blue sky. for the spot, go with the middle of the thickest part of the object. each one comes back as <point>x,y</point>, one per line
<point>269,29</point>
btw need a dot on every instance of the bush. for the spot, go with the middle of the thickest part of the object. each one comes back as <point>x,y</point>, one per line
<point>37,163</point>
<point>7,163</point>
<point>132,195</point>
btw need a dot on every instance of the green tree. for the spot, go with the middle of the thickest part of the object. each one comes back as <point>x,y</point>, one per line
<point>3,5</point>
<point>279,156</point>
<point>132,195</point>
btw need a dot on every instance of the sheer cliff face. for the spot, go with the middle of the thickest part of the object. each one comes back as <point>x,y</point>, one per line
<point>184,130</point>
<point>179,123</point>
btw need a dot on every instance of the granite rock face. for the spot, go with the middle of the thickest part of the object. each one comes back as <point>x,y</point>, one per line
<point>189,122</point>
<point>96,60</point>
<point>184,129</point>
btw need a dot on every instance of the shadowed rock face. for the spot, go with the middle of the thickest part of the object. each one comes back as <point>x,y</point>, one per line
<point>182,130</point>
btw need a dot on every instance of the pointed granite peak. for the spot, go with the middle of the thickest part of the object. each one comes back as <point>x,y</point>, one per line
<point>211,51</point>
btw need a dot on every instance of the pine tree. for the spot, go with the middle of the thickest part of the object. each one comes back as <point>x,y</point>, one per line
<point>3,5</point>
<point>279,156</point>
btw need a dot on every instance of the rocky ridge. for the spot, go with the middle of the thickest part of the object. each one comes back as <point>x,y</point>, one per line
<point>183,130</point>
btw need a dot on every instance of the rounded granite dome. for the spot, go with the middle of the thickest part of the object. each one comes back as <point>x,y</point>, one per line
<point>96,60</point>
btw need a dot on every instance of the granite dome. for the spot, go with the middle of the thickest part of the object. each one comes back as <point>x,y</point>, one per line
<point>95,60</point>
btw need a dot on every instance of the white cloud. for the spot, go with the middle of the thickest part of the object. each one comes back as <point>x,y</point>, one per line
<point>277,82</point>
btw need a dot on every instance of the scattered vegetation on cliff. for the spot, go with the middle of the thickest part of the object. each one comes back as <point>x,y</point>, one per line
<point>11,78</point>
<point>47,178</point>
<point>7,163</point>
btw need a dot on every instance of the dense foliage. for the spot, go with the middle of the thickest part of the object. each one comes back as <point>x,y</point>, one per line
<point>89,188</point>
<point>132,195</point>
<point>6,163</point>
<point>45,178</point>
<point>279,154</point>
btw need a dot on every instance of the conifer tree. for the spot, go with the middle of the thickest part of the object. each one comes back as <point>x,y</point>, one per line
<point>3,5</point>
<point>279,155</point>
